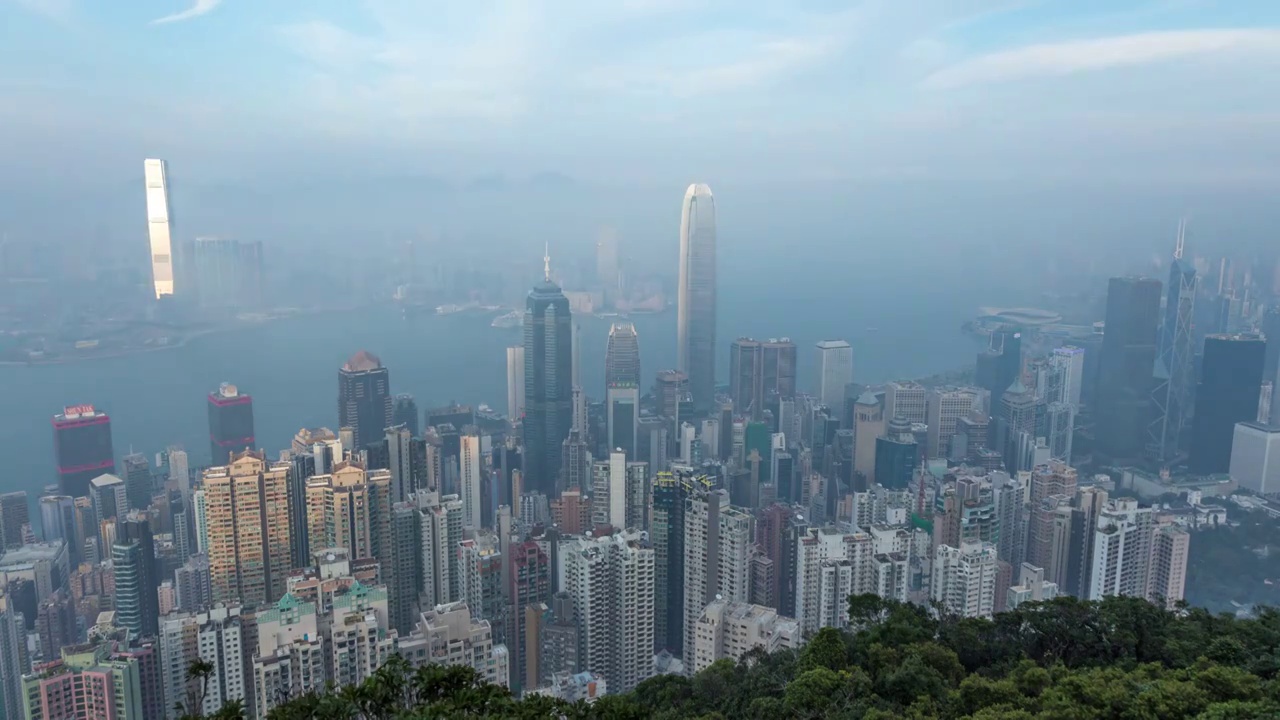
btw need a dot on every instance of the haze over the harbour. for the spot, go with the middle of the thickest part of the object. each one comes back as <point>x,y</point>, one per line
<point>1041,130</point>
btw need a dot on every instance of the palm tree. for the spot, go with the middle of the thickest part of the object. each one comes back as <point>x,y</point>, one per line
<point>199,673</point>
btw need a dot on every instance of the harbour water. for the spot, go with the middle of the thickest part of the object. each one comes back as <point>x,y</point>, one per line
<point>157,399</point>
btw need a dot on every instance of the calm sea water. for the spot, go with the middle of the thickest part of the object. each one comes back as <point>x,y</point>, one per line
<point>157,399</point>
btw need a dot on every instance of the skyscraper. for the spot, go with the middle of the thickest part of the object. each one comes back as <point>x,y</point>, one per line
<point>696,296</point>
<point>897,455</point>
<point>350,508</point>
<point>622,357</point>
<point>1173,370</point>
<point>137,481</point>
<point>1071,361</point>
<point>246,522</point>
<point>530,573</point>
<point>835,371</point>
<point>1230,380</point>
<point>81,447</point>
<point>760,373</point>
<point>622,419</point>
<point>58,520</point>
<point>221,636</point>
<point>964,578</point>
<point>230,423</point>
<point>404,411</point>
<point>1000,364</point>
<point>364,399</point>
<point>717,557</point>
<point>472,474</point>
<point>158,230</point>
<point>548,389</point>
<point>134,557</point>
<point>1123,402</point>
<point>515,382</point>
<point>611,580</point>
<point>14,515</point>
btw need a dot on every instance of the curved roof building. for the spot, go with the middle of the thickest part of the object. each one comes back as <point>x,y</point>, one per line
<point>622,357</point>
<point>696,297</point>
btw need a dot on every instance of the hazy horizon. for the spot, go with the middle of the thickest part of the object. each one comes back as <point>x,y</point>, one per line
<point>1037,126</point>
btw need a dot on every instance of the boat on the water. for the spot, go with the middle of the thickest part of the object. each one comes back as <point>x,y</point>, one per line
<point>515,318</point>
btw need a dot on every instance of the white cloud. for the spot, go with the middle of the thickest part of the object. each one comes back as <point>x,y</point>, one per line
<point>59,10</point>
<point>421,66</point>
<point>201,7</point>
<point>1078,56</point>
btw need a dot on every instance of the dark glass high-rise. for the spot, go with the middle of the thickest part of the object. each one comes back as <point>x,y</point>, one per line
<point>230,423</point>
<point>364,398</point>
<point>1228,393</point>
<point>548,384</point>
<point>1126,369</point>
<point>82,448</point>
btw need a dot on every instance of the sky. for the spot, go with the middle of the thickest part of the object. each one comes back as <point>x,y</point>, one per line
<point>646,90</point>
<point>323,117</point>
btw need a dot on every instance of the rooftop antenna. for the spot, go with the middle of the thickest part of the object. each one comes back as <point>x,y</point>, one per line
<point>1182,232</point>
<point>546,261</point>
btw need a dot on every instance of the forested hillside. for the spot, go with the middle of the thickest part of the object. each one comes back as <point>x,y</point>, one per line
<point>1062,660</point>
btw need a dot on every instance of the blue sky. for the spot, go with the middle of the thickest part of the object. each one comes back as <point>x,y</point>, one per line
<point>1166,91</point>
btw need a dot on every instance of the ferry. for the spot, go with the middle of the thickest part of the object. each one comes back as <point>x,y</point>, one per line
<point>515,318</point>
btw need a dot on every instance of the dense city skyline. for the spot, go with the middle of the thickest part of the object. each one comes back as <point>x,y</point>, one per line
<point>980,330</point>
<point>641,514</point>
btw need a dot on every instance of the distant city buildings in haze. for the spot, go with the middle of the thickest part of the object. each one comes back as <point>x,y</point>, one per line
<point>607,267</point>
<point>835,371</point>
<point>230,423</point>
<point>548,375</point>
<point>159,231</point>
<point>82,447</point>
<point>227,273</point>
<point>364,399</point>
<point>696,297</point>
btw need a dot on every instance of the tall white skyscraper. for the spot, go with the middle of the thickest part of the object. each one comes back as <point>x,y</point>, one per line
<point>609,491</point>
<point>830,566</point>
<point>441,530</point>
<point>835,370</point>
<point>472,465</point>
<point>696,296</point>
<point>1071,360</point>
<point>515,381</point>
<point>219,636</point>
<point>158,229</point>
<point>717,557</point>
<point>611,580</point>
<point>964,579</point>
<point>180,471</point>
<point>1133,555</point>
